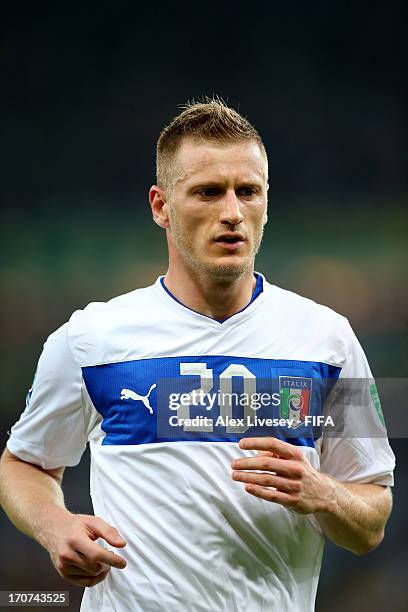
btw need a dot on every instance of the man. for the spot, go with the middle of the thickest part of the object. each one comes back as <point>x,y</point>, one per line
<point>203,514</point>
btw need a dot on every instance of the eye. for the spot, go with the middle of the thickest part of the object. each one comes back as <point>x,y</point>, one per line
<point>247,192</point>
<point>209,192</point>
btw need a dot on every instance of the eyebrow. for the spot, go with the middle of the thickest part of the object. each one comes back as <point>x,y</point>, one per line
<point>221,184</point>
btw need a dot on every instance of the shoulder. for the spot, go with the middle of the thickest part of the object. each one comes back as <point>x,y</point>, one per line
<point>311,328</point>
<point>92,329</point>
<point>304,309</point>
<point>97,312</point>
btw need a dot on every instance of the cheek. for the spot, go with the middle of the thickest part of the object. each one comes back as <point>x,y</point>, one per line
<point>193,221</point>
<point>192,230</point>
<point>256,216</point>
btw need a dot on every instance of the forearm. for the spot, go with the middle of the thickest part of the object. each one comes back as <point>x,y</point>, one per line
<point>29,496</point>
<point>33,500</point>
<point>354,515</point>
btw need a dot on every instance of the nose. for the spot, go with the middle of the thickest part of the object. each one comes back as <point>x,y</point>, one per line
<point>231,211</point>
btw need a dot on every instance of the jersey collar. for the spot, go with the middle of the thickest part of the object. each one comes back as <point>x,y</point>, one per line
<point>257,297</point>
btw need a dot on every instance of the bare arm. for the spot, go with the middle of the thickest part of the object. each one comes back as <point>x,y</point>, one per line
<point>26,490</point>
<point>33,500</point>
<point>351,515</point>
<point>354,515</point>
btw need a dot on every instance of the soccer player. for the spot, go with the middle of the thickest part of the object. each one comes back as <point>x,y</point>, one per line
<point>199,505</point>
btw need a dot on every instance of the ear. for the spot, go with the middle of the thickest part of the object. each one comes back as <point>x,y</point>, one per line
<point>159,206</point>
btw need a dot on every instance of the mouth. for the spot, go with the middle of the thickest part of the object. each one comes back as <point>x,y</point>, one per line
<point>230,240</point>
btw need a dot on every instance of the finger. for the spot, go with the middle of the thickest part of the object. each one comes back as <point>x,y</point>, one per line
<point>74,570</point>
<point>85,567</point>
<point>94,553</point>
<point>285,499</point>
<point>98,528</point>
<point>98,579</point>
<point>268,480</point>
<point>82,564</point>
<point>283,449</point>
<point>266,454</point>
<point>87,581</point>
<point>283,467</point>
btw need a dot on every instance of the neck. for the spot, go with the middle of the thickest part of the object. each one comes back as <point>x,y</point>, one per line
<point>218,300</point>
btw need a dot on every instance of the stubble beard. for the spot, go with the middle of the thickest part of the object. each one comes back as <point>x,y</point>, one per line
<point>216,273</point>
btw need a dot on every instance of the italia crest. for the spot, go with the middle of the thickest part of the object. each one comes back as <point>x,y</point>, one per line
<point>295,395</point>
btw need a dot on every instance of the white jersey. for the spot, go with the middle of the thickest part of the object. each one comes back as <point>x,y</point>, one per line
<point>122,376</point>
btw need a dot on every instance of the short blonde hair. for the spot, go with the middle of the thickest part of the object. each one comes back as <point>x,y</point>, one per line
<point>210,120</point>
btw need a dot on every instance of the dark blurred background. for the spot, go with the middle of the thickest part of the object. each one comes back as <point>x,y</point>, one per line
<point>86,89</point>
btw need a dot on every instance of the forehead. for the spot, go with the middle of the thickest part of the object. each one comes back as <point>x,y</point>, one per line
<point>198,159</point>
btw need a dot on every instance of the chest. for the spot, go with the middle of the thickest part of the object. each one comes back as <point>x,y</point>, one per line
<point>209,397</point>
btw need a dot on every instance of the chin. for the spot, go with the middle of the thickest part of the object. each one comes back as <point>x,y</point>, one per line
<point>226,270</point>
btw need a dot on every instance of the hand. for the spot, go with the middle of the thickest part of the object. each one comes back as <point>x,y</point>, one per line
<point>296,484</point>
<point>73,550</point>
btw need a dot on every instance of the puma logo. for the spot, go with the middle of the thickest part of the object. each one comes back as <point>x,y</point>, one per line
<point>129,394</point>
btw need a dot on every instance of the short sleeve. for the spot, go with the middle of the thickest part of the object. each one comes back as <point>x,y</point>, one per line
<point>51,431</point>
<point>357,449</point>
